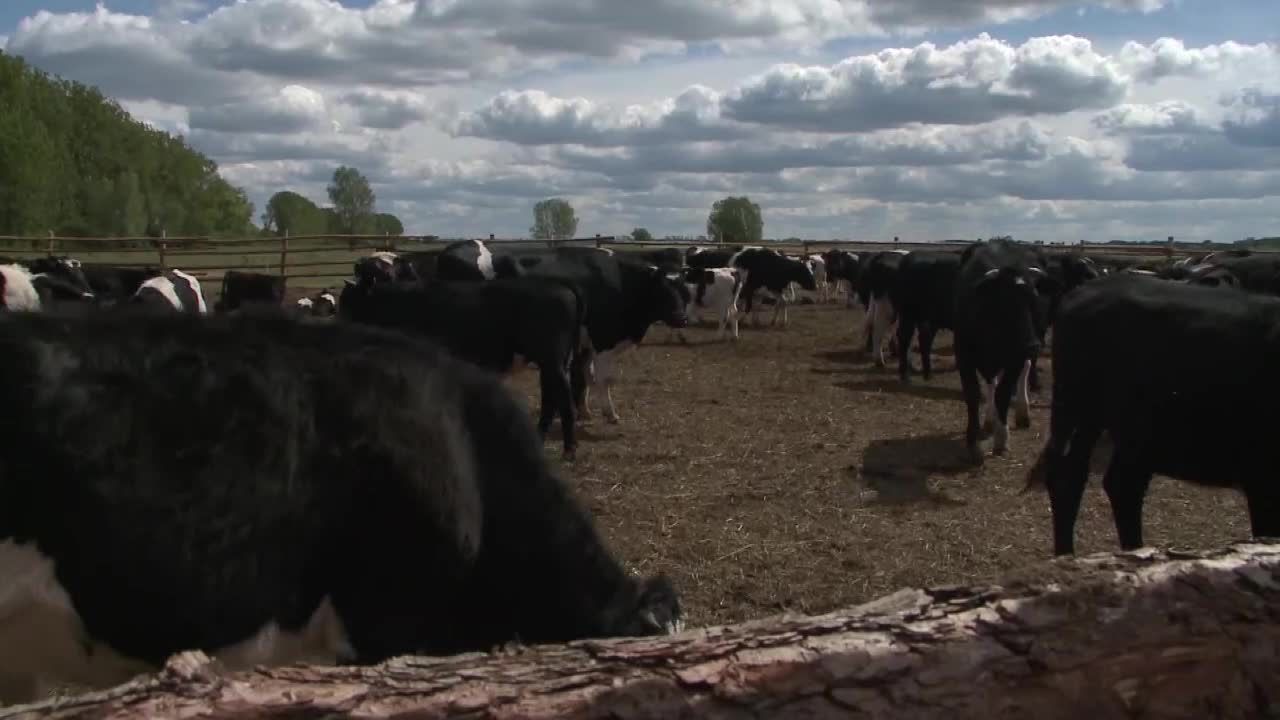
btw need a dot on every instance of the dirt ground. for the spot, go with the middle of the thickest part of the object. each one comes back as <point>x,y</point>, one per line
<point>787,473</point>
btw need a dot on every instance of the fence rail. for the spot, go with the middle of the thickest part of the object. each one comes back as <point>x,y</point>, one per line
<point>296,257</point>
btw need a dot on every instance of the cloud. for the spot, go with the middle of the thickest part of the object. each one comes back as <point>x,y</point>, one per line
<point>384,109</point>
<point>293,109</point>
<point>532,117</point>
<point>1254,118</point>
<point>1169,57</point>
<point>1167,117</point>
<point>922,14</point>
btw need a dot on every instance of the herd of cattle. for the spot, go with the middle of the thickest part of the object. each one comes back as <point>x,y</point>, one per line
<point>349,479</point>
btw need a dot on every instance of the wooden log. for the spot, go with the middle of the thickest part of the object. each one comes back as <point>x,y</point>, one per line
<point>1145,634</point>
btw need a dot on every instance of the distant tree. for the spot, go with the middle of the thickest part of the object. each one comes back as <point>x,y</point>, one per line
<point>641,235</point>
<point>554,219</point>
<point>735,220</point>
<point>387,224</point>
<point>353,200</point>
<point>289,213</point>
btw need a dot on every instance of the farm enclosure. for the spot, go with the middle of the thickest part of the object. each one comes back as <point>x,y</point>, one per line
<point>786,472</point>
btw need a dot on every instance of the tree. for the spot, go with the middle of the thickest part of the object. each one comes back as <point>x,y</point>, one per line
<point>387,224</point>
<point>352,198</point>
<point>735,220</point>
<point>554,219</point>
<point>641,235</point>
<point>292,214</point>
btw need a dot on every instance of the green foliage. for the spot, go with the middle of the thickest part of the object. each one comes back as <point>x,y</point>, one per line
<point>387,224</point>
<point>353,201</point>
<point>291,213</point>
<point>73,161</point>
<point>735,220</point>
<point>641,235</point>
<point>554,219</point>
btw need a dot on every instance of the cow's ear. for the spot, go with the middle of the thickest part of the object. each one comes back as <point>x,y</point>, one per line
<point>989,276</point>
<point>348,282</point>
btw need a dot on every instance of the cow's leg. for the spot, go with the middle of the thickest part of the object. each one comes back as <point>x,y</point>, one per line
<point>1003,395</point>
<point>1066,476</point>
<point>906,326</point>
<point>1022,408</point>
<point>1264,507</point>
<point>927,333</point>
<point>607,371</point>
<point>989,423</point>
<point>879,325</point>
<point>581,373</point>
<point>972,394</point>
<point>731,317</point>
<point>868,324</point>
<point>1126,484</point>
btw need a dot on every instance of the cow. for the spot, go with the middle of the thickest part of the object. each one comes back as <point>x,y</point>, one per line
<point>1141,360</point>
<point>383,266</point>
<point>715,290</point>
<point>17,292</point>
<point>766,269</point>
<point>716,257</point>
<point>113,284</point>
<point>843,267</point>
<point>1257,273</point>
<point>329,493</point>
<point>924,295</point>
<point>624,296</point>
<point>877,277</point>
<point>58,280</point>
<point>496,325</point>
<point>322,304</point>
<point>998,330</point>
<point>241,288</point>
<point>818,266</point>
<point>174,290</point>
<point>1063,273</point>
<point>670,260</point>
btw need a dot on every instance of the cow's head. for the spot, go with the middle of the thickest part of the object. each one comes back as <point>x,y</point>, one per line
<point>66,277</point>
<point>801,273</point>
<point>1214,276</point>
<point>1010,306</point>
<point>666,297</point>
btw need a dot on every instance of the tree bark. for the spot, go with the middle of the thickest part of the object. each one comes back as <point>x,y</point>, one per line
<point>1146,634</point>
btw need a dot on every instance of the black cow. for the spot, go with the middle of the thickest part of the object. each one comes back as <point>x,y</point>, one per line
<point>172,290</point>
<point>767,269</point>
<point>1141,360</point>
<point>624,296</point>
<point>271,491</point>
<point>241,288</point>
<point>669,260</point>
<point>496,325</point>
<point>710,258</point>
<point>1256,273</point>
<point>998,329</point>
<point>843,266</point>
<point>878,275</point>
<point>1063,273</point>
<point>924,295</point>
<point>112,283</point>
<point>384,266</point>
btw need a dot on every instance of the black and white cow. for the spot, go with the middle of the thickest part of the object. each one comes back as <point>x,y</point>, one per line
<point>240,288</point>
<point>924,296</point>
<point>703,258</point>
<point>998,330</point>
<point>174,290</point>
<point>475,260</point>
<point>17,292</point>
<point>669,260</point>
<point>58,280</point>
<point>257,527</point>
<point>767,269</point>
<point>497,325</point>
<point>1141,360</point>
<point>715,291</point>
<point>322,304</point>
<point>384,266</point>
<point>1257,273</point>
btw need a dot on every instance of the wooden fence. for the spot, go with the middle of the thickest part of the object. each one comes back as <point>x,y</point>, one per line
<point>318,260</point>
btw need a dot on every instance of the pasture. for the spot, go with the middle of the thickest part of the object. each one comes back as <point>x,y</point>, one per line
<point>787,473</point>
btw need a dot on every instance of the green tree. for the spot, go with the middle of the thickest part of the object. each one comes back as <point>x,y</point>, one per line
<point>387,224</point>
<point>735,220</point>
<point>353,200</point>
<point>554,219</point>
<point>641,235</point>
<point>292,214</point>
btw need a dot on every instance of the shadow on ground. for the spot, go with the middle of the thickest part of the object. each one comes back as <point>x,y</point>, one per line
<point>898,469</point>
<point>917,388</point>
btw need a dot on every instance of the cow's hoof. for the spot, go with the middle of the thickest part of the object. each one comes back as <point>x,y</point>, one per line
<point>1022,422</point>
<point>613,419</point>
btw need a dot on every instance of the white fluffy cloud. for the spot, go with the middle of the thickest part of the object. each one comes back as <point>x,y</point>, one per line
<point>464,112</point>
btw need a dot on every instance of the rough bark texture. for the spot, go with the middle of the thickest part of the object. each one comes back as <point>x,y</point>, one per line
<point>1146,634</point>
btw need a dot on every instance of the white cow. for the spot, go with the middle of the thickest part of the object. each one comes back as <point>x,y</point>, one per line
<point>17,293</point>
<point>720,288</point>
<point>818,266</point>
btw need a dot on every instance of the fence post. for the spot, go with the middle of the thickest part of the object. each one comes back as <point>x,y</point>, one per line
<point>284,253</point>
<point>50,244</point>
<point>1168,248</point>
<point>164,234</point>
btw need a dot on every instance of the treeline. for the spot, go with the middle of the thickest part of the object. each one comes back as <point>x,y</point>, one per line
<point>72,161</point>
<point>353,211</point>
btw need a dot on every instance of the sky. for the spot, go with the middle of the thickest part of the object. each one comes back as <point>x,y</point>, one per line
<point>855,119</point>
